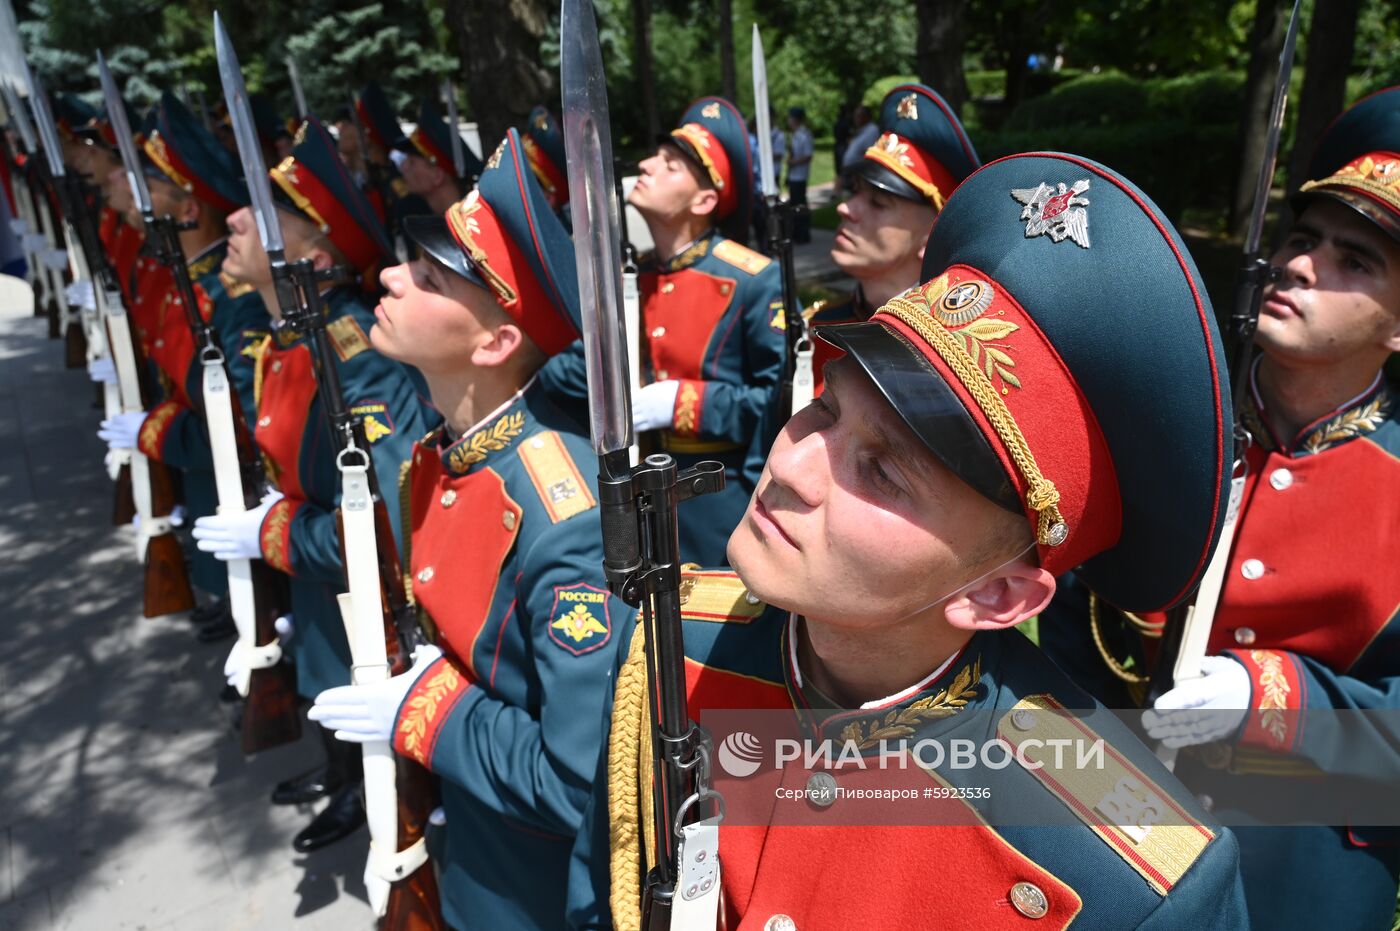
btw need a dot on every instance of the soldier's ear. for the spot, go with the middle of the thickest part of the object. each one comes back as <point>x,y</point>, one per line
<point>191,210</point>
<point>1392,342</point>
<point>1004,599</point>
<point>502,342</point>
<point>704,202</point>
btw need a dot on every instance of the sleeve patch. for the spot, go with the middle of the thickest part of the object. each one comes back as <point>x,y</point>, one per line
<point>347,338</point>
<point>556,478</point>
<point>718,596</point>
<point>579,622</point>
<point>741,257</point>
<point>779,321</point>
<point>375,414</point>
<point>1117,801</point>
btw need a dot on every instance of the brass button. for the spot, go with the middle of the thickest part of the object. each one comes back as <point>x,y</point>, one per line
<point>264,421</point>
<point>1245,636</point>
<point>1252,569</point>
<point>160,344</point>
<point>277,365</point>
<point>750,597</point>
<point>449,498</point>
<point>1029,900</point>
<point>425,574</point>
<point>780,923</point>
<point>724,289</point>
<point>537,443</point>
<point>821,789</point>
<point>508,518</point>
<point>1023,719</point>
<point>668,287</point>
<point>658,332</point>
<point>662,375</point>
<point>176,301</point>
<point>1281,479</point>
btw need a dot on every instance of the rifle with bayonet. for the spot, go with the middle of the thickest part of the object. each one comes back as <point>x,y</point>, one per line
<point>378,180</point>
<point>167,585</point>
<point>795,390</point>
<point>379,621</point>
<point>22,142</point>
<point>638,504</point>
<point>1186,633</point>
<point>294,74</point>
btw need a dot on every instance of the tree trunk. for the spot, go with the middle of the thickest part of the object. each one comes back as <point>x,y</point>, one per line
<point>499,44</point>
<point>940,49</point>
<point>1331,41</point>
<point>729,82</point>
<point>1265,43</point>
<point>642,68</point>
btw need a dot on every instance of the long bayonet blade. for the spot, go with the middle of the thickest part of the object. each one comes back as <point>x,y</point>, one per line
<point>43,118</point>
<point>240,111</point>
<point>760,105</point>
<point>588,148</point>
<point>459,160</point>
<point>1277,107</point>
<point>20,118</point>
<point>126,144</point>
<point>295,74</point>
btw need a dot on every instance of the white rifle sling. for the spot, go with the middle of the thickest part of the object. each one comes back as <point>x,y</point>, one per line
<point>228,481</point>
<point>1200,618</point>
<point>29,242</point>
<point>370,663</point>
<point>52,275</point>
<point>632,321</point>
<point>696,905</point>
<point>111,391</point>
<point>129,385</point>
<point>803,384</point>
<point>77,270</point>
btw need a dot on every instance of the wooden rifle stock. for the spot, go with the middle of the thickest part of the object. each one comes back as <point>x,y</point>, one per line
<point>123,501</point>
<point>414,901</point>
<point>271,715</point>
<point>167,588</point>
<point>74,346</point>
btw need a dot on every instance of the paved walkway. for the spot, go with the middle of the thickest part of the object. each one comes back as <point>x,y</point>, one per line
<point>124,799</point>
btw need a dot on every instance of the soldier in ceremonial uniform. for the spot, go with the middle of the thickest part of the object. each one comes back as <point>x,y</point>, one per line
<point>712,322</point>
<point>326,219</point>
<point>544,147</point>
<point>896,191</point>
<point>381,181</point>
<point>198,184</point>
<point>1307,617</point>
<point>903,524</point>
<point>505,556</point>
<point>427,167</point>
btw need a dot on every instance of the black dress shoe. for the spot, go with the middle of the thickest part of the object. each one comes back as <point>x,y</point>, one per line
<point>219,628</point>
<point>343,816</point>
<point>307,787</point>
<point>205,613</point>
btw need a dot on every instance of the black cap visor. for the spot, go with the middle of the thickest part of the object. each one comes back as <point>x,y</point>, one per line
<point>434,237</point>
<point>877,175</point>
<point>1376,212</point>
<point>928,405</point>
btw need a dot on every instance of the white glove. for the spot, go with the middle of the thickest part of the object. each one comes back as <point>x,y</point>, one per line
<point>18,227</point>
<point>81,294</point>
<point>120,431</point>
<point>35,244</point>
<point>56,259</point>
<point>177,515</point>
<point>233,666</point>
<point>103,371</point>
<point>654,406</point>
<point>365,713</point>
<point>1202,710</point>
<point>234,536</point>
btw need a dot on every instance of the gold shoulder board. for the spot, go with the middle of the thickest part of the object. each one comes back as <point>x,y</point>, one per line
<point>1120,803</point>
<point>556,478</point>
<point>347,338</point>
<point>717,595</point>
<point>741,257</point>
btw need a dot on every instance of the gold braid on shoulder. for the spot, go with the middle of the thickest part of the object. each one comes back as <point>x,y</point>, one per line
<point>1145,628</point>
